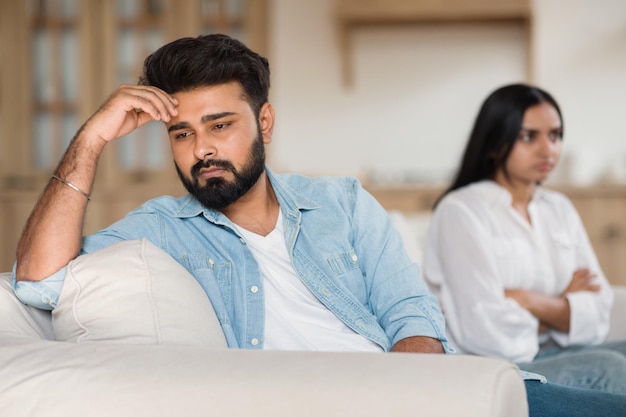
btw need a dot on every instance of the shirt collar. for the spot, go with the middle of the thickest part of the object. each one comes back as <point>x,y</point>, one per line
<point>288,195</point>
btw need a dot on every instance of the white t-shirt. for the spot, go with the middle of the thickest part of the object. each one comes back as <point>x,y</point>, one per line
<point>478,246</point>
<point>294,318</point>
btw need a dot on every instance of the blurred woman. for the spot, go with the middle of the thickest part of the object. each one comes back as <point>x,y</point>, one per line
<point>510,261</point>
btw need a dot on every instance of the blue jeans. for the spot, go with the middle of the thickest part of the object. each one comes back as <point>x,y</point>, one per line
<point>553,400</point>
<point>601,367</point>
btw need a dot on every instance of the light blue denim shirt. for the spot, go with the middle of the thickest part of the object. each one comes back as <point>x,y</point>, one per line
<point>341,242</point>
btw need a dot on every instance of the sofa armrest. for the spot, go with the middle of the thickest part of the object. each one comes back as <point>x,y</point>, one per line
<point>618,315</point>
<point>99,379</point>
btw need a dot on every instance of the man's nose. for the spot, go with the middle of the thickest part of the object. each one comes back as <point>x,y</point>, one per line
<point>204,147</point>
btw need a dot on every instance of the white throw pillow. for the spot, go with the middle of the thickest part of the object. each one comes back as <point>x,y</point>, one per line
<point>133,292</point>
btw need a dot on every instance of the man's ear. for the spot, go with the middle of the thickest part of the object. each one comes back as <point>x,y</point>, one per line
<point>266,122</point>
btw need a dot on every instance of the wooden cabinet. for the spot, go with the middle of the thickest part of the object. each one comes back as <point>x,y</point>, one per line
<point>602,209</point>
<point>59,60</point>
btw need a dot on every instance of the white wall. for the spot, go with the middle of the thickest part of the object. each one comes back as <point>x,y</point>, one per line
<point>417,88</point>
<point>581,56</point>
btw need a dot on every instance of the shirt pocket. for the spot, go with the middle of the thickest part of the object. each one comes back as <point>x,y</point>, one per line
<point>206,266</point>
<point>347,273</point>
<point>344,262</point>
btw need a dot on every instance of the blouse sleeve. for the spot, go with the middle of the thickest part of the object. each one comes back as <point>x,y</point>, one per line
<point>459,259</point>
<point>590,312</point>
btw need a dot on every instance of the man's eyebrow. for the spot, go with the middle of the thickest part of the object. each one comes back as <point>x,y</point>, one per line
<point>178,126</point>
<point>210,117</point>
<point>204,119</point>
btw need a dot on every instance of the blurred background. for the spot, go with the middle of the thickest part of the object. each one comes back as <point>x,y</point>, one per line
<point>384,90</point>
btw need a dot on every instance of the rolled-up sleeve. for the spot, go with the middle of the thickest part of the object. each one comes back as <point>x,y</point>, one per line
<point>40,294</point>
<point>587,326</point>
<point>45,294</point>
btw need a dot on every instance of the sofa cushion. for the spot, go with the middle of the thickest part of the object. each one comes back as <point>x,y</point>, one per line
<point>133,292</point>
<point>17,320</point>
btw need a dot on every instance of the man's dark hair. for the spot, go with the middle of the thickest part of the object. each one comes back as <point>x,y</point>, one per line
<point>188,63</point>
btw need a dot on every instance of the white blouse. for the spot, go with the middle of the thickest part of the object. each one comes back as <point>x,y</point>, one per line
<point>478,246</point>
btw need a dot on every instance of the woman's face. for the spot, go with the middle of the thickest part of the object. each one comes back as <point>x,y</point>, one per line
<point>537,148</point>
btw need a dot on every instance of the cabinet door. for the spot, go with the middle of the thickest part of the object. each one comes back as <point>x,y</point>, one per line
<point>59,60</point>
<point>603,211</point>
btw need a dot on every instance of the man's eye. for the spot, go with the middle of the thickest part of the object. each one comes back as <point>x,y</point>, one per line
<point>220,126</point>
<point>182,135</point>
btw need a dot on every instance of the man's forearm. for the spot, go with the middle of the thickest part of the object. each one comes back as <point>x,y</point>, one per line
<point>53,233</point>
<point>418,344</point>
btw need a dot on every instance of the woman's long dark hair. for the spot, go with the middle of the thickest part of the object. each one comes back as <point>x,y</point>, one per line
<point>495,131</point>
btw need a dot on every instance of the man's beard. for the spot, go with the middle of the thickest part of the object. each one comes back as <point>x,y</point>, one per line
<point>219,193</point>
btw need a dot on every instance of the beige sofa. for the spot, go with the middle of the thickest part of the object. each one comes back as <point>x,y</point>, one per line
<point>158,351</point>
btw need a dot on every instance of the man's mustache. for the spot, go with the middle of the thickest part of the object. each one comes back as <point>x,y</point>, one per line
<point>208,163</point>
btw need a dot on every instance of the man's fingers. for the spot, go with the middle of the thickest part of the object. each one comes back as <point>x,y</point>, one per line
<point>143,105</point>
<point>165,103</point>
<point>169,102</point>
<point>151,100</point>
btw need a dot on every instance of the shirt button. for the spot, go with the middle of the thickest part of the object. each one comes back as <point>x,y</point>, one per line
<point>254,341</point>
<point>355,258</point>
<point>242,240</point>
<point>211,261</point>
<point>254,289</point>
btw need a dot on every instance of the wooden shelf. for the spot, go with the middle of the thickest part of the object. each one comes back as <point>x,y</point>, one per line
<point>416,11</point>
<point>360,13</point>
